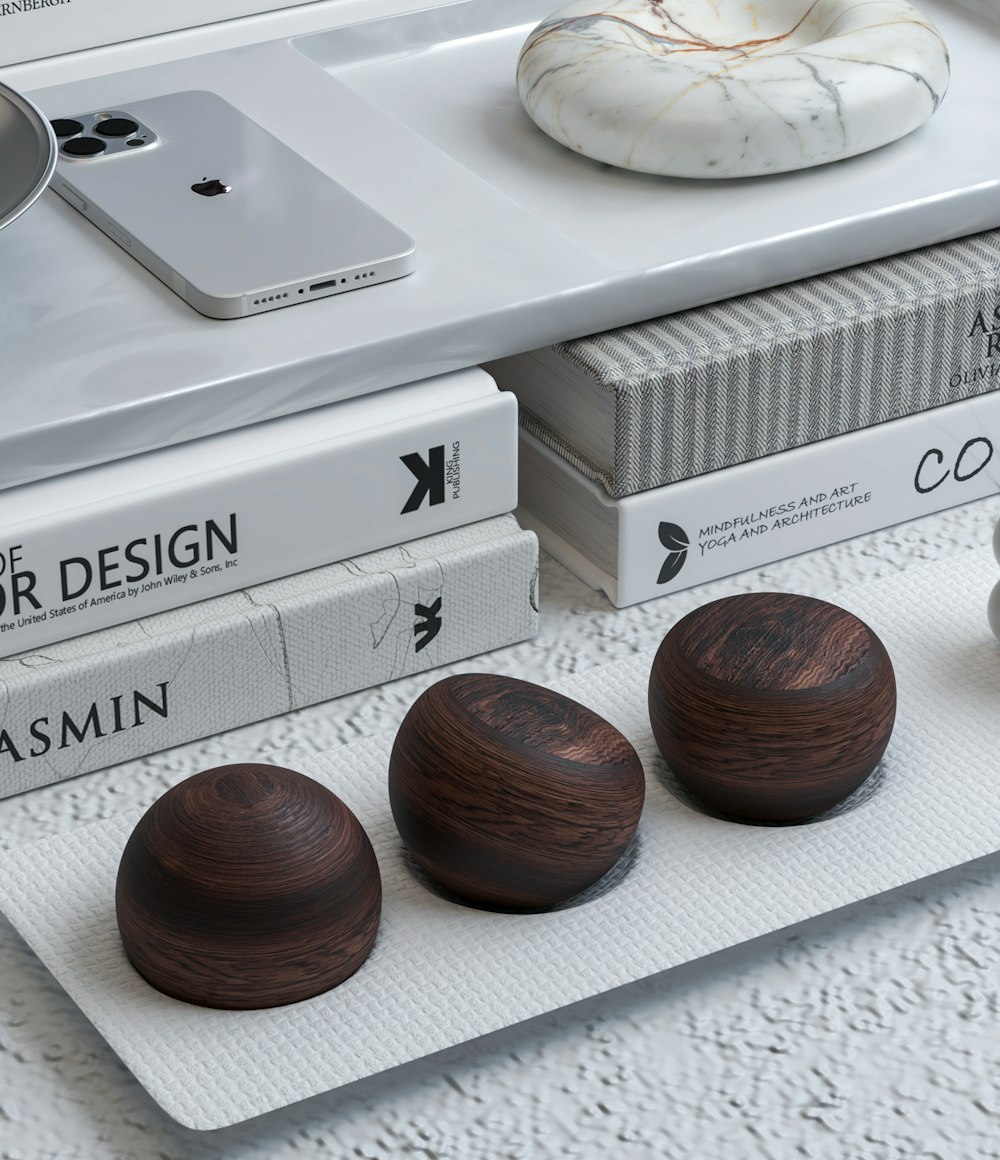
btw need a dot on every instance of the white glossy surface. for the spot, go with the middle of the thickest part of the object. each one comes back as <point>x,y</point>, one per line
<point>727,88</point>
<point>868,1033</point>
<point>990,9</point>
<point>420,117</point>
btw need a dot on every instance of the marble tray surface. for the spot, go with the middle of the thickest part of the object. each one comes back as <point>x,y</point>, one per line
<point>520,242</point>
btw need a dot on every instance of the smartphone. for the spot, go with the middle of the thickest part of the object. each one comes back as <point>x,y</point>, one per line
<point>229,217</point>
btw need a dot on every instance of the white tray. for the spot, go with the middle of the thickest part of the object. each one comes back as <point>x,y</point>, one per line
<point>521,243</point>
<point>441,973</point>
<point>448,74</point>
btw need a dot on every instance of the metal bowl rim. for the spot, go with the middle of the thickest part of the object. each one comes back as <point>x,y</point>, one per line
<point>47,160</point>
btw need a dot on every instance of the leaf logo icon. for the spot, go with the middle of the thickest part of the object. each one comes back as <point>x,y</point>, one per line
<point>675,540</point>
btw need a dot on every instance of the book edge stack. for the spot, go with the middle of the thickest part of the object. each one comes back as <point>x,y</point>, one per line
<point>656,381</point>
<point>912,335</point>
<point>151,601</point>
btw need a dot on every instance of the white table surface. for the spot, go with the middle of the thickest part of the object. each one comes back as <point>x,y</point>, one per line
<point>869,1032</point>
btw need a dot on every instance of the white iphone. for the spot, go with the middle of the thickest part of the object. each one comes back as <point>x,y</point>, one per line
<point>220,210</point>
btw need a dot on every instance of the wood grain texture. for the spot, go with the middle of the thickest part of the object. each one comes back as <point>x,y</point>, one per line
<point>510,795</point>
<point>771,706</point>
<point>248,886</point>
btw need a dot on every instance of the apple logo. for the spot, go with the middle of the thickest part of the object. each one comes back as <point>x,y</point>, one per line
<point>210,188</point>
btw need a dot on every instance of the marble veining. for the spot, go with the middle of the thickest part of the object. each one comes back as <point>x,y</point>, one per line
<point>731,88</point>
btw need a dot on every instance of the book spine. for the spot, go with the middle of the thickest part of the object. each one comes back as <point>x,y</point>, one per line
<point>112,562</point>
<point>753,514</point>
<point>137,689</point>
<point>64,29</point>
<point>676,397</point>
<point>698,530</point>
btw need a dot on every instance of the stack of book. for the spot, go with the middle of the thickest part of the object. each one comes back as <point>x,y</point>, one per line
<point>167,596</point>
<point>668,454</point>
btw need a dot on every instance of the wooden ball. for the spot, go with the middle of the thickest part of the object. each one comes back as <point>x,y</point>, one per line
<point>770,706</point>
<point>248,886</point>
<point>510,795</point>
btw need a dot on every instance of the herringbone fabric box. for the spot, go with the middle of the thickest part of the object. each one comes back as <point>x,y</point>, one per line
<point>651,404</point>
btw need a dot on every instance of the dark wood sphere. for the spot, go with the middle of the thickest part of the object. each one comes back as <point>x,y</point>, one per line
<point>510,795</point>
<point>248,886</point>
<point>770,706</point>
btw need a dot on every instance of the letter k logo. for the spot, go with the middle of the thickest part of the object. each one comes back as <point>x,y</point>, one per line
<point>430,478</point>
<point>429,625</point>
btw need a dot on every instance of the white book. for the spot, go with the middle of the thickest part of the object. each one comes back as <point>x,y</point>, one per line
<point>127,539</point>
<point>30,29</point>
<point>687,533</point>
<point>140,687</point>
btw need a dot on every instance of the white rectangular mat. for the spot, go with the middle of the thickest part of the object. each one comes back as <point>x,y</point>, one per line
<point>441,973</point>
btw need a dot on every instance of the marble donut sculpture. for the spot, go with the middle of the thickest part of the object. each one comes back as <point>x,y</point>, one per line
<point>731,88</point>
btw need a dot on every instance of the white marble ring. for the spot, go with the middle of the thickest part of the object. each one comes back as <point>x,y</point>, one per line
<point>731,88</point>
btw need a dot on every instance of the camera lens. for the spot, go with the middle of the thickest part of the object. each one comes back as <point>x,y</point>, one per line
<point>83,146</point>
<point>116,127</point>
<point>136,141</point>
<point>65,127</point>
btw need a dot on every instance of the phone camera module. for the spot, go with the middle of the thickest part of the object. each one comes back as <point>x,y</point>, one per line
<point>83,146</point>
<point>101,134</point>
<point>116,127</point>
<point>66,127</point>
